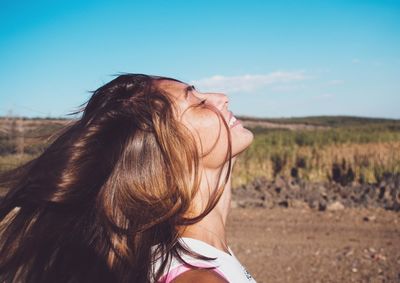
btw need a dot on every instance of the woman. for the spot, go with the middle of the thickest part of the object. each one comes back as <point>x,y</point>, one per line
<point>136,190</point>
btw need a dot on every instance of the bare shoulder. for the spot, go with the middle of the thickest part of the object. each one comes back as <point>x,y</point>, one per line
<point>199,276</point>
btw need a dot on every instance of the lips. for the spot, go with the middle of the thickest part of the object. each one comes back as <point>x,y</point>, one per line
<point>232,120</point>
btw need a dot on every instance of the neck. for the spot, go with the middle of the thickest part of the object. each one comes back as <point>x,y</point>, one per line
<point>211,229</point>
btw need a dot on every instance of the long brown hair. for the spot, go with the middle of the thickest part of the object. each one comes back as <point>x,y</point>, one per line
<point>111,186</point>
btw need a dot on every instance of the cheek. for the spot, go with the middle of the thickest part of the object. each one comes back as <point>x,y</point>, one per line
<point>211,138</point>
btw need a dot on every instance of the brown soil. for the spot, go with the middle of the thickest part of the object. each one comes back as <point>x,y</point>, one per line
<point>303,245</point>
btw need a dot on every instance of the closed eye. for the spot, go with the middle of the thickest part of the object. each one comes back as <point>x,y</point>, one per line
<point>201,103</point>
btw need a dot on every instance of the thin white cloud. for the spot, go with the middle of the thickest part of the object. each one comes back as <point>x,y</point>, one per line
<point>356,61</point>
<point>377,63</point>
<point>336,82</point>
<point>249,83</point>
<point>324,96</point>
<point>287,87</point>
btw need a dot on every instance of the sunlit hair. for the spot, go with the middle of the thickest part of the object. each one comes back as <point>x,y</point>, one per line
<point>104,200</point>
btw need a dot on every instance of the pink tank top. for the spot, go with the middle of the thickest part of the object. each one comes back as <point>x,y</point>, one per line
<point>226,265</point>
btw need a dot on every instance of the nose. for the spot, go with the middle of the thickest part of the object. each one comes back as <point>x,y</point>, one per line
<point>219,100</point>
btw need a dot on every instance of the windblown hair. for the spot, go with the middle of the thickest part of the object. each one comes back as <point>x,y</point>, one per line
<point>105,198</point>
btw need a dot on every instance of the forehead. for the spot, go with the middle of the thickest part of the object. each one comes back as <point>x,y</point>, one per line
<point>174,88</point>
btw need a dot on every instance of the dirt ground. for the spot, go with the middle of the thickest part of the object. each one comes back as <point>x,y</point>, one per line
<point>303,245</point>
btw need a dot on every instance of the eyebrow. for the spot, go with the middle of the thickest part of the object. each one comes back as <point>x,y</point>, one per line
<point>187,89</point>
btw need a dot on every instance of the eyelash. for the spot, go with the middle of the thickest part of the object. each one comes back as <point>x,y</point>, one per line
<point>203,102</point>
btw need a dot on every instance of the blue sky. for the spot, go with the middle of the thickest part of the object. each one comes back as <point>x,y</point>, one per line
<point>273,58</point>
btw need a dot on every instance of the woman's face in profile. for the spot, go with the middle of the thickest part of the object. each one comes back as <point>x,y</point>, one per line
<point>206,126</point>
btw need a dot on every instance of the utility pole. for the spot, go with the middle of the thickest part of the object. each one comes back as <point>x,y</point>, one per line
<point>20,141</point>
<point>14,125</point>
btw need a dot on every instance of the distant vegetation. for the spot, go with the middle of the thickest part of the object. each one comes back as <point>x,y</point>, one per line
<point>339,149</point>
<point>21,139</point>
<point>331,121</point>
<point>347,149</point>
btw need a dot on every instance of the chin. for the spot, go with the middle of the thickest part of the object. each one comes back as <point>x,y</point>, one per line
<point>242,142</point>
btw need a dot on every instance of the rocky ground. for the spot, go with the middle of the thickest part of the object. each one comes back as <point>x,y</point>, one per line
<point>319,196</point>
<point>297,231</point>
<point>300,244</point>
